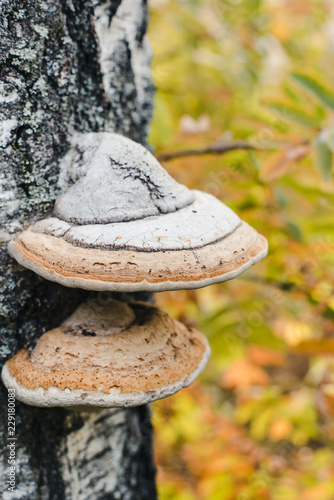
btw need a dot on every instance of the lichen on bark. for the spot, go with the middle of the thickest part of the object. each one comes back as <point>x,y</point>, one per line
<point>66,66</point>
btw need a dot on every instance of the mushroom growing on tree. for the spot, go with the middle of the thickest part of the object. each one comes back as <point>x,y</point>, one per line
<point>66,66</point>
<point>108,355</point>
<point>126,225</point>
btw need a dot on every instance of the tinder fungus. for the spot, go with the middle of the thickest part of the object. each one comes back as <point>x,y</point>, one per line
<point>111,355</point>
<point>126,225</point>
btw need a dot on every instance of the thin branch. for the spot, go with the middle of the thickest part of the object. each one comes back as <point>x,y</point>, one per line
<point>215,149</point>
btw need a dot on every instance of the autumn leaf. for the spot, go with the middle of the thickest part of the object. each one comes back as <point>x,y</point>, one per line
<point>328,394</point>
<point>316,347</point>
<point>278,164</point>
<point>279,429</point>
<point>323,491</point>
<point>292,331</point>
<point>265,356</point>
<point>243,373</point>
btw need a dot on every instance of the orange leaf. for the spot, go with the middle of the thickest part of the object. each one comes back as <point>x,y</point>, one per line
<point>243,373</point>
<point>280,428</point>
<point>265,356</point>
<point>328,399</point>
<point>315,347</point>
<point>321,491</point>
<point>278,164</point>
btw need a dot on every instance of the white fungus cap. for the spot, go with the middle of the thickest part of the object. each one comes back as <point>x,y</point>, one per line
<point>126,225</point>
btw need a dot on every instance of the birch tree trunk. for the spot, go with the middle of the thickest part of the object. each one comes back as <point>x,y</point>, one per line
<point>66,66</point>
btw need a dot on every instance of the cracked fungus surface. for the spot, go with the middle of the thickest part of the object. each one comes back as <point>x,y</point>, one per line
<point>152,352</point>
<point>122,181</point>
<point>126,225</point>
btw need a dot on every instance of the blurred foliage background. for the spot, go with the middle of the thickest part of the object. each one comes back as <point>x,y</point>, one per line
<point>258,424</point>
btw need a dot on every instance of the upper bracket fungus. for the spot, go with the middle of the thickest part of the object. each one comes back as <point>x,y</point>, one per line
<point>108,355</point>
<point>126,225</point>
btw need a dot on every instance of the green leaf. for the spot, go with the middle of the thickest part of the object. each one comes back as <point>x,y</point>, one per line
<point>325,95</point>
<point>291,92</point>
<point>323,155</point>
<point>294,231</point>
<point>330,136</point>
<point>294,114</point>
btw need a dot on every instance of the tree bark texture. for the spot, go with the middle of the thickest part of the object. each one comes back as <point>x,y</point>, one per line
<point>65,66</point>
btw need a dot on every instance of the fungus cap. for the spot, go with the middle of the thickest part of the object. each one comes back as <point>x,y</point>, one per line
<point>113,355</point>
<point>126,225</point>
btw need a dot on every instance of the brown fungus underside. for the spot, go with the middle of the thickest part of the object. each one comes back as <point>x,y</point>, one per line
<point>153,352</point>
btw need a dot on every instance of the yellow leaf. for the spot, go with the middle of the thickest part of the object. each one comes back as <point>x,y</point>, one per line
<point>292,331</point>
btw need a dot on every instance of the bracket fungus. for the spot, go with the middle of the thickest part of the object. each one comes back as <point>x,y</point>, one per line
<point>109,355</point>
<point>126,225</point>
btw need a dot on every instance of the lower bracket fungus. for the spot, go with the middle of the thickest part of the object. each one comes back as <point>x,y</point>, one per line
<point>110,355</point>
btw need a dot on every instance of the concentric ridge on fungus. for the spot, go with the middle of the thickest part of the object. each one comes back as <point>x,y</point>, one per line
<point>108,355</point>
<point>126,225</point>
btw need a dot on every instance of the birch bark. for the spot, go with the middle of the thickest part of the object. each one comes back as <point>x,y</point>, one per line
<point>66,66</point>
